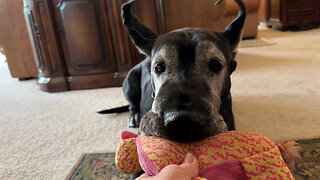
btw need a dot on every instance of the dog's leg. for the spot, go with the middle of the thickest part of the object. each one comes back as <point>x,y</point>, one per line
<point>226,113</point>
<point>132,92</point>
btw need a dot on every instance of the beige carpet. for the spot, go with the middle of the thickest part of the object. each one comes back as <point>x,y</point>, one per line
<point>255,42</point>
<point>276,91</point>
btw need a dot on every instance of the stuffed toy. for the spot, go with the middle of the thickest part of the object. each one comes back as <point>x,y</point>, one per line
<point>238,154</point>
<point>227,155</point>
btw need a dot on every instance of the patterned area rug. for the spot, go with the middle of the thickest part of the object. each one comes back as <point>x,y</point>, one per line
<point>101,166</point>
<point>309,167</point>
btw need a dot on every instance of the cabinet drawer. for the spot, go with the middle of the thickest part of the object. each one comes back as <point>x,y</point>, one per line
<point>300,5</point>
<point>301,17</point>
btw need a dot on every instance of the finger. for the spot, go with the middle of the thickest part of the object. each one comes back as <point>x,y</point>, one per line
<point>190,166</point>
<point>188,159</point>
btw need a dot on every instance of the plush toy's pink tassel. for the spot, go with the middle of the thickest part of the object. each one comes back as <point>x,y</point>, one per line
<point>127,135</point>
<point>289,151</point>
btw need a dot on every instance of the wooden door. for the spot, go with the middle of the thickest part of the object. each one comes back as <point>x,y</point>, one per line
<point>15,40</point>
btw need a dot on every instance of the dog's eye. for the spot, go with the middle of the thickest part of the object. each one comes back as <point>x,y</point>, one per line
<point>215,65</point>
<point>160,68</point>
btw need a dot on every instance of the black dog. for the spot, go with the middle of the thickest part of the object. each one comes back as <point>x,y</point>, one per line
<point>185,78</point>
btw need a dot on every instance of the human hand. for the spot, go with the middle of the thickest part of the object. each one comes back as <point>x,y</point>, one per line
<point>188,170</point>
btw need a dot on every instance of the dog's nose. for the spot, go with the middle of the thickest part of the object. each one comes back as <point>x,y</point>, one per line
<point>184,101</point>
<point>182,126</point>
<point>183,120</point>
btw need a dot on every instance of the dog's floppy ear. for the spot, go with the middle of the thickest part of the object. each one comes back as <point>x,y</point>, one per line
<point>142,36</point>
<point>234,30</point>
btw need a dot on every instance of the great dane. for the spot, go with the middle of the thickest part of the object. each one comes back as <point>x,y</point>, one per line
<point>185,78</point>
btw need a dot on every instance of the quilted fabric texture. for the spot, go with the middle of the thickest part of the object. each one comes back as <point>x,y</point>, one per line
<point>259,157</point>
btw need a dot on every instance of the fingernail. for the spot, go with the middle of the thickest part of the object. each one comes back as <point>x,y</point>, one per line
<point>188,159</point>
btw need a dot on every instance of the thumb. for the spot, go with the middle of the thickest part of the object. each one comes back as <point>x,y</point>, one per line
<point>190,166</point>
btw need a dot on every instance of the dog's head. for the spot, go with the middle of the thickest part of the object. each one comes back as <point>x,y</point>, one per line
<point>190,73</point>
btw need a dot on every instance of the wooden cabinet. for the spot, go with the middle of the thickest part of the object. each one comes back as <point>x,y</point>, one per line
<point>79,44</point>
<point>289,13</point>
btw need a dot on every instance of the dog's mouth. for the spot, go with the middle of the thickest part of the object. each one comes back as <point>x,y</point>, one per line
<point>184,120</point>
<point>182,126</point>
<point>187,126</point>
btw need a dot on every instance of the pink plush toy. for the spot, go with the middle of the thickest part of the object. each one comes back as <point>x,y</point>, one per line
<point>229,155</point>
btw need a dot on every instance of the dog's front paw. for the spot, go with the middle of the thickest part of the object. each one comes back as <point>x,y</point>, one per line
<point>134,120</point>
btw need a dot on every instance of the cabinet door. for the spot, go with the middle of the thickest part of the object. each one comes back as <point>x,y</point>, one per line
<point>86,38</point>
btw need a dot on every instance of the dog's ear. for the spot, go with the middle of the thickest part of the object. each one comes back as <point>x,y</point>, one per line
<point>234,30</point>
<point>142,36</point>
